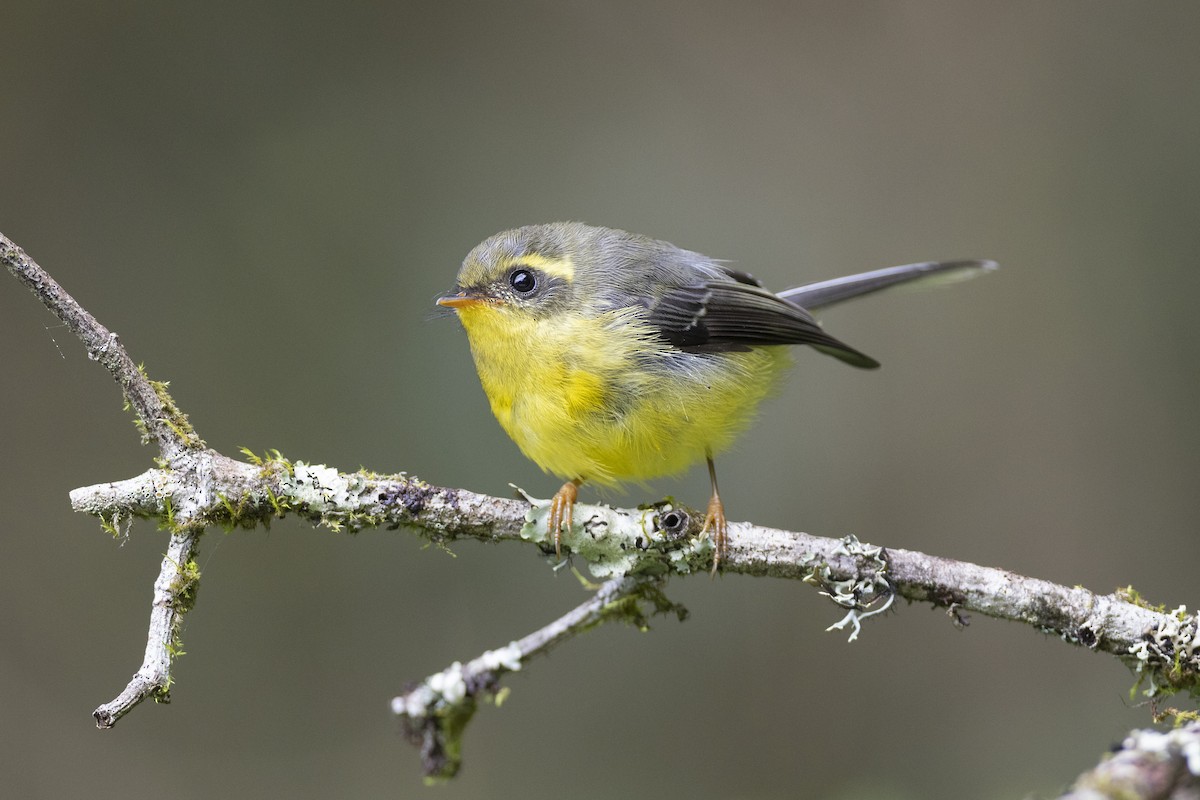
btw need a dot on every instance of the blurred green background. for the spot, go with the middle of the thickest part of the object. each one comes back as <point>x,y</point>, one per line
<point>263,201</point>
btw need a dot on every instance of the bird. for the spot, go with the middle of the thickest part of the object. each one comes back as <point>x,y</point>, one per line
<point>611,357</point>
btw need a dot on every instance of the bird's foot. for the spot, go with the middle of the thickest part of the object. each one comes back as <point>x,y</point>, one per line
<point>562,508</point>
<point>715,521</point>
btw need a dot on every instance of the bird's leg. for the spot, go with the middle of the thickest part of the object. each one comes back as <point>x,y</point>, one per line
<point>715,519</point>
<point>562,507</point>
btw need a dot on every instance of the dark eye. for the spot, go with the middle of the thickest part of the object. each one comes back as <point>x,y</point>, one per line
<point>523,280</point>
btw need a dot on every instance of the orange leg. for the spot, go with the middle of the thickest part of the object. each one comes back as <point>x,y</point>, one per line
<point>562,507</point>
<point>715,520</point>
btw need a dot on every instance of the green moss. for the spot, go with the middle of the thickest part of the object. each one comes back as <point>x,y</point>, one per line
<point>172,417</point>
<point>629,608</point>
<point>185,586</point>
<point>269,461</point>
<point>1178,717</point>
<point>1131,595</point>
<point>453,719</point>
<point>183,589</point>
<point>112,528</point>
<point>175,419</point>
<point>168,522</point>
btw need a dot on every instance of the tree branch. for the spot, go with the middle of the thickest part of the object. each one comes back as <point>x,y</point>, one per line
<point>436,712</point>
<point>161,422</point>
<point>662,540</point>
<point>1149,765</point>
<point>174,594</point>
<point>157,415</point>
<point>194,486</point>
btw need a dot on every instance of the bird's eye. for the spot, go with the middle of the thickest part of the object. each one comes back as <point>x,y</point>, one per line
<point>523,280</point>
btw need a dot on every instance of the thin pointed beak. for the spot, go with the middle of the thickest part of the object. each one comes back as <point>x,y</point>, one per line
<point>459,300</point>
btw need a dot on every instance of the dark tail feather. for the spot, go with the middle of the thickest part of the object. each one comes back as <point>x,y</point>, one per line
<point>826,293</point>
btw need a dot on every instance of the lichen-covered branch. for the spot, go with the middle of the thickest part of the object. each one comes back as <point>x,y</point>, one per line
<point>161,422</point>
<point>635,549</point>
<point>174,593</point>
<point>1149,765</point>
<point>1160,645</point>
<point>435,713</point>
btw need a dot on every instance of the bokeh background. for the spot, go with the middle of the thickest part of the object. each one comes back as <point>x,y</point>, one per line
<point>263,201</point>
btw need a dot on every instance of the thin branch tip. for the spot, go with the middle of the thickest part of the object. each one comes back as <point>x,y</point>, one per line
<point>435,713</point>
<point>158,417</point>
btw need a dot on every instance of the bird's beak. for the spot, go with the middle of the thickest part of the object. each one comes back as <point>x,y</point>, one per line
<point>460,300</point>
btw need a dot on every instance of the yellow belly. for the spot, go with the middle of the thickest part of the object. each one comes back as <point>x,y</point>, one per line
<point>605,400</point>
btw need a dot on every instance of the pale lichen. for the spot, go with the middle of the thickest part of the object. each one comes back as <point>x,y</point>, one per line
<point>1181,743</point>
<point>334,499</point>
<point>449,684</point>
<point>612,541</point>
<point>1163,656</point>
<point>865,593</point>
<point>507,657</point>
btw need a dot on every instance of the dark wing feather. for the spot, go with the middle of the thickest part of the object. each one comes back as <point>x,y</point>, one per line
<point>726,315</point>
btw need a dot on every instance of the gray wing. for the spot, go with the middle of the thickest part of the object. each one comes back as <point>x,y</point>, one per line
<point>735,314</point>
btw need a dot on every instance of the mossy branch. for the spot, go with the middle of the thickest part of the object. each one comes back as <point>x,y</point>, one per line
<point>194,487</point>
<point>159,418</point>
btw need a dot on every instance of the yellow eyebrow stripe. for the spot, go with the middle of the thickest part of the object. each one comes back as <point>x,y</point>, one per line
<point>559,267</point>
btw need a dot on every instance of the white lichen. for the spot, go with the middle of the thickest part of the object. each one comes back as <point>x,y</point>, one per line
<point>449,684</point>
<point>417,704</point>
<point>1173,642</point>
<point>859,592</point>
<point>323,489</point>
<point>437,692</point>
<point>854,617</point>
<point>508,657</point>
<point>1181,743</point>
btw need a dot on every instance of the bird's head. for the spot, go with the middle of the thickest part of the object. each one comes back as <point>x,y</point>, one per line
<point>530,272</point>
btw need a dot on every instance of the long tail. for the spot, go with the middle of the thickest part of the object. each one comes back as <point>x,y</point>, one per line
<point>930,273</point>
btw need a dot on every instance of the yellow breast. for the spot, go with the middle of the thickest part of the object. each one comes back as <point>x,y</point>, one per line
<point>603,399</point>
